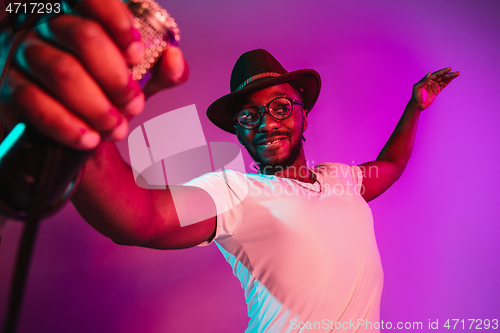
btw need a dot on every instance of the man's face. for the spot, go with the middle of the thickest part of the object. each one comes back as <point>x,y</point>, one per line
<point>287,132</point>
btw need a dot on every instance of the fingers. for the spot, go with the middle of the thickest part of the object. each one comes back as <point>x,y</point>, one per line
<point>64,77</point>
<point>117,20</point>
<point>426,78</point>
<point>440,73</point>
<point>44,113</point>
<point>423,81</point>
<point>438,79</point>
<point>171,70</point>
<point>101,58</point>
<point>71,79</point>
<point>448,76</point>
<point>444,76</point>
<point>74,87</point>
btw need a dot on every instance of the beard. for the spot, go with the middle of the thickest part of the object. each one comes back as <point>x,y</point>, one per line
<point>279,164</point>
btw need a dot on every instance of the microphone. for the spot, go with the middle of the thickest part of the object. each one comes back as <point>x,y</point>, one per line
<point>24,152</point>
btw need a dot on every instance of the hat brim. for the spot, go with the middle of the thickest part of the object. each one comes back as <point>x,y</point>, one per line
<point>221,114</point>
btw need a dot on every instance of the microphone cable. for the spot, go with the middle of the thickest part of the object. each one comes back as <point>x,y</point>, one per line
<point>46,177</point>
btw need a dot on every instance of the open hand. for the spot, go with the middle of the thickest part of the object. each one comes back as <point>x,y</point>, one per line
<point>426,90</point>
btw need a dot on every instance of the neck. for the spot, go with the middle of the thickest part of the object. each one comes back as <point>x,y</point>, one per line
<point>298,170</point>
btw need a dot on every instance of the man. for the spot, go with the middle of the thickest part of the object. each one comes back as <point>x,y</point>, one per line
<point>300,240</point>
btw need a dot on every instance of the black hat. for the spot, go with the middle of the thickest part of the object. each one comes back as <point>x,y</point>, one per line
<point>255,70</point>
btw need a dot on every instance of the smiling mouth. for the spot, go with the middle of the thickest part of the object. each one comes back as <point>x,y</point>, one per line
<point>271,143</point>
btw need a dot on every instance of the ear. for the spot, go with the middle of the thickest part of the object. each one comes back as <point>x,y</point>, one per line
<point>238,134</point>
<point>305,122</point>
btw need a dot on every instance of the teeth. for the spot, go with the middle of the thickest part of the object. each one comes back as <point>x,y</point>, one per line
<point>270,143</point>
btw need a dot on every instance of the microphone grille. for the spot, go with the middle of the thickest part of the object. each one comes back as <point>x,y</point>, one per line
<point>158,30</point>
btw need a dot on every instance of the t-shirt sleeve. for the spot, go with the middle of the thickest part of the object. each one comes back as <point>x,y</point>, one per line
<point>348,175</point>
<point>228,189</point>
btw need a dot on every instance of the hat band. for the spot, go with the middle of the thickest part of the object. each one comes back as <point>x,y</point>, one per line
<point>255,77</point>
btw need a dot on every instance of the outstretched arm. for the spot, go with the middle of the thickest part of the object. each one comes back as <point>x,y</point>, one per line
<point>109,200</point>
<point>380,174</point>
<point>71,82</point>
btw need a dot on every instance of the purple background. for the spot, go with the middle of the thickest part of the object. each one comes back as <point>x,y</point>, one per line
<point>437,227</point>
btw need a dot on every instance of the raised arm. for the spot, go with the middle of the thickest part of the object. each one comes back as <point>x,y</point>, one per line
<point>70,80</point>
<point>380,174</point>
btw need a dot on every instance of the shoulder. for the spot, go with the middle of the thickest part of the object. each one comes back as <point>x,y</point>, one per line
<point>221,181</point>
<point>229,177</point>
<point>340,171</point>
<point>228,190</point>
<point>335,170</point>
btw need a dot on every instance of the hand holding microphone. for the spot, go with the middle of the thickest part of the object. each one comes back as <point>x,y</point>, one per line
<point>72,87</point>
<point>71,80</point>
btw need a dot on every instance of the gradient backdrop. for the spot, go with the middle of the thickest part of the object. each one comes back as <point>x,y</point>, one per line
<point>437,228</point>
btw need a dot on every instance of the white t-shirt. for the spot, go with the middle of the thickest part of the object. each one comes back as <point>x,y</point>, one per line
<point>307,261</point>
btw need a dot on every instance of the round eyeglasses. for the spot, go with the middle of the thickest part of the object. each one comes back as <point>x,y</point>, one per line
<point>279,109</point>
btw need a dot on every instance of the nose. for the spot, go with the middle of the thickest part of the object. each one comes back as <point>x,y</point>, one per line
<point>267,123</point>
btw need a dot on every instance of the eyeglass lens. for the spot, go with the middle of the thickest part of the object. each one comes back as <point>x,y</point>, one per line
<point>279,108</point>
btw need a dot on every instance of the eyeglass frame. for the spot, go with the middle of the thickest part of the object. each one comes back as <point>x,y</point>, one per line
<point>266,110</point>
